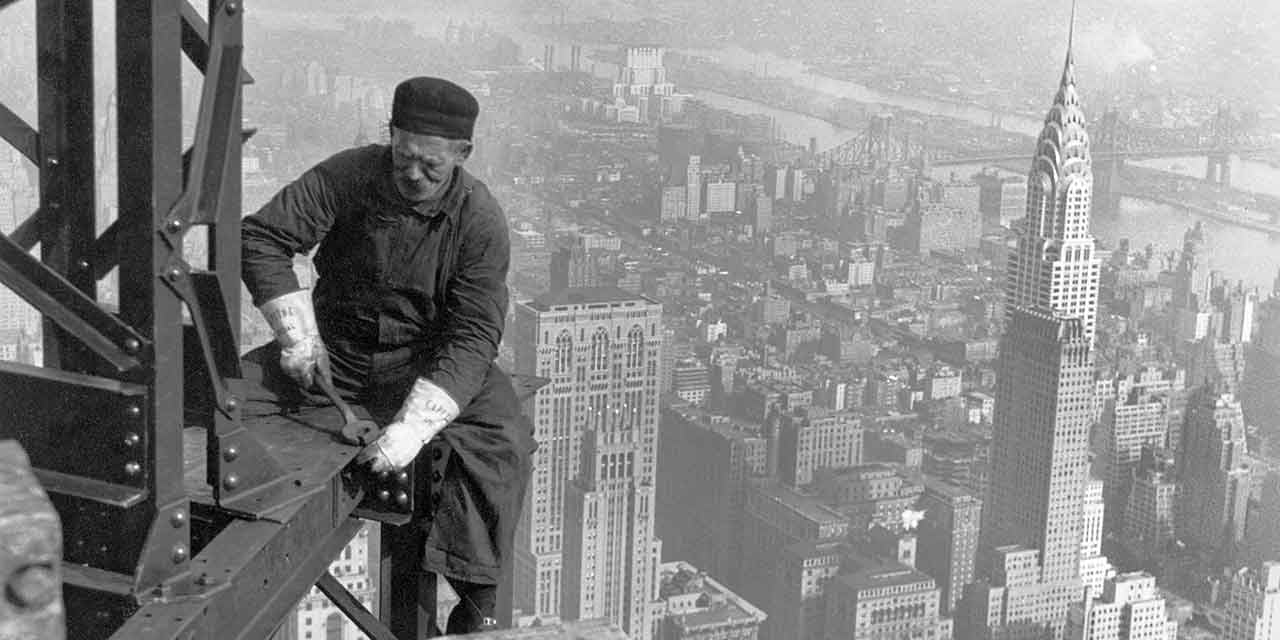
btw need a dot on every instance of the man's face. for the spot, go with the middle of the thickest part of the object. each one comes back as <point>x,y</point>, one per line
<point>422,164</point>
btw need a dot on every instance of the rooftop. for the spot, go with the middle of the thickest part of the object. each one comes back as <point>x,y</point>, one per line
<point>586,296</point>
<point>884,574</point>
<point>716,604</point>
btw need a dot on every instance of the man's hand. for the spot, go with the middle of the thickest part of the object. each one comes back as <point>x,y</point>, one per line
<point>303,354</point>
<point>425,413</point>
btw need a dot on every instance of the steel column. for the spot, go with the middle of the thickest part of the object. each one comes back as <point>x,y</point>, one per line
<point>149,101</point>
<point>64,41</point>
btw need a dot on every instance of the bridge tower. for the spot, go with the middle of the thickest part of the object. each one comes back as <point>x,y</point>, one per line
<point>1222,131</point>
<point>1107,162</point>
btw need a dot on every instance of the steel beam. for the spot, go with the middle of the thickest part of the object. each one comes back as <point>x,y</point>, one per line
<point>70,309</point>
<point>18,133</point>
<point>351,607</point>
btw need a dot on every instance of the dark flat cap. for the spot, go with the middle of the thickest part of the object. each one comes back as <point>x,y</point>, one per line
<point>436,107</point>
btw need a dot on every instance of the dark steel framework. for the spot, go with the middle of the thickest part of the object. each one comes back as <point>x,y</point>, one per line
<point>180,518</point>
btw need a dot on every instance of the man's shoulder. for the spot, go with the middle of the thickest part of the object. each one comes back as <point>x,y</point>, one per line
<point>480,201</point>
<point>355,162</point>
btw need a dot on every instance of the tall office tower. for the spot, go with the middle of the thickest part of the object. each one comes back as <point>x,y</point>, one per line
<point>1128,425</point>
<point>643,76</point>
<point>884,600</point>
<point>1262,542</point>
<point>1191,281</point>
<point>1130,608</point>
<point>1149,514</point>
<point>585,546</point>
<point>693,188</point>
<point>704,464</point>
<point>1254,610</point>
<point>1044,391</point>
<point>1212,472</point>
<point>947,538</point>
<point>1213,361</point>
<point>804,571</point>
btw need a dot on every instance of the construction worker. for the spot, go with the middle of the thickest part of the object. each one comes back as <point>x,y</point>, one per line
<point>405,318</point>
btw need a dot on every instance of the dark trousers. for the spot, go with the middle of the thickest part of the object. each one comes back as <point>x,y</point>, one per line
<point>411,592</point>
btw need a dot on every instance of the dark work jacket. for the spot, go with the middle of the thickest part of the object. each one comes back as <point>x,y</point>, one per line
<point>402,292</point>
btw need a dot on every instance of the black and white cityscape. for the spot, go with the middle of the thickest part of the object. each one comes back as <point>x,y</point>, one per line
<point>858,320</point>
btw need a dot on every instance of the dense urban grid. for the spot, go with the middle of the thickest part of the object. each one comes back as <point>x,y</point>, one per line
<point>829,389</point>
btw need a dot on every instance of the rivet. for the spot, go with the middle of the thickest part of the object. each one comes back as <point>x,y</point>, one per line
<point>82,264</point>
<point>33,587</point>
<point>230,453</point>
<point>132,468</point>
<point>403,477</point>
<point>132,345</point>
<point>179,553</point>
<point>174,273</point>
<point>51,161</point>
<point>174,225</point>
<point>232,403</point>
<point>132,439</point>
<point>178,519</point>
<point>231,481</point>
<point>402,498</point>
<point>205,580</point>
<point>232,8</point>
<point>384,495</point>
<point>383,476</point>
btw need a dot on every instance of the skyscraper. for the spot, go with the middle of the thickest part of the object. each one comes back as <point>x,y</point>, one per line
<point>1044,392</point>
<point>1254,610</point>
<point>1212,474</point>
<point>1131,608</point>
<point>585,545</point>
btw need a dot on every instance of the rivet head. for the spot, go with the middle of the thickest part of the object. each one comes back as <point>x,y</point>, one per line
<point>402,498</point>
<point>232,403</point>
<point>384,476</point>
<point>403,477</point>
<point>178,519</point>
<point>179,554</point>
<point>82,264</point>
<point>132,345</point>
<point>132,468</point>
<point>51,161</point>
<point>32,587</point>
<point>231,481</point>
<point>174,273</point>
<point>384,495</point>
<point>173,225</point>
<point>232,8</point>
<point>132,439</point>
<point>230,453</point>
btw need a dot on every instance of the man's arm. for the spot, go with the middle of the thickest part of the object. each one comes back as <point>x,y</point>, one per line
<point>475,307</point>
<point>293,222</point>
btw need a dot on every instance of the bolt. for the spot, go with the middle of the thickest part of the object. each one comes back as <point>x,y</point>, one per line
<point>32,587</point>
<point>132,468</point>
<point>178,519</point>
<point>132,345</point>
<point>230,453</point>
<point>231,482</point>
<point>174,225</point>
<point>132,439</point>
<point>179,553</point>
<point>402,498</point>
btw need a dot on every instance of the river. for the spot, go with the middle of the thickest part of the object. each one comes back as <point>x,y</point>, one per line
<point>1239,253</point>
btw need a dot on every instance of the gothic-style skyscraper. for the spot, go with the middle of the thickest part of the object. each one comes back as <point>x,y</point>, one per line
<point>1030,560</point>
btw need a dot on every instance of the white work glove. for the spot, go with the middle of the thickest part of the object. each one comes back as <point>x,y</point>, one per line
<point>426,411</point>
<point>293,320</point>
